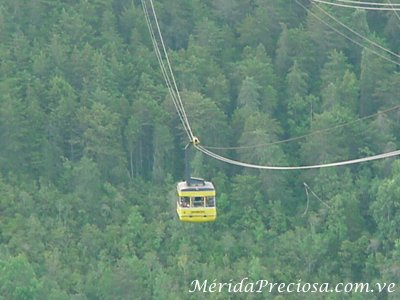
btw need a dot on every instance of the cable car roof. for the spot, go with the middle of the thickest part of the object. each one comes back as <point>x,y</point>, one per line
<point>195,184</point>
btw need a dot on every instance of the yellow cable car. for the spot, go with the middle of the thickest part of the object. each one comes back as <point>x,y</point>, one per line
<point>196,201</point>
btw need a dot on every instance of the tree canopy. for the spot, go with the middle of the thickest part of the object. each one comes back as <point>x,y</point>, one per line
<point>91,148</point>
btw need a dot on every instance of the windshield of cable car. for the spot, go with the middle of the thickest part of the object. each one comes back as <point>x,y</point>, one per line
<point>197,201</point>
<point>185,201</point>
<point>210,201</point>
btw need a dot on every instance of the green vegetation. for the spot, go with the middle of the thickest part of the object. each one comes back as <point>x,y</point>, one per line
<point>91,148</point>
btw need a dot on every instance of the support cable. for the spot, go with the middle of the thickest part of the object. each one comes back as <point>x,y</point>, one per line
<point>291,168</point>
<point>368,3</point>
<point>346,36</point>
<point>395,11</point>
<point>308,199</point>
<point>167,74</point>
<point>356,33</point>
<point>315,195</point>
<point>357,6</point>
<point>292,139</point>
<point>163,69</point>
<point>170,70</point>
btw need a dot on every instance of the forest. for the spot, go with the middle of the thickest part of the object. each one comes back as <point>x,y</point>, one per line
<point>91,148</point>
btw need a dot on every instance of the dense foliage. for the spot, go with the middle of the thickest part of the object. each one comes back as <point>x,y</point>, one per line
<point>91,148</point>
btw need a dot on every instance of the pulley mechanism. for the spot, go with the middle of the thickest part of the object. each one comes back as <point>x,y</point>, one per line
<point>195,141</point>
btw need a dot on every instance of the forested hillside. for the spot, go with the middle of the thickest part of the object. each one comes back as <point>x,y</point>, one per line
<point>91,148</point>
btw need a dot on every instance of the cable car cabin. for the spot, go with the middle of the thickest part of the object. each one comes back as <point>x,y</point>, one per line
<point>196,201</point>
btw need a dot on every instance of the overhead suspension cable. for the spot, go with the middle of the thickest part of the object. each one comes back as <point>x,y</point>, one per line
<point>306,135</point>
<point>170,68</point>
<point>358,6</point>
<point>356,33</point>
<point>167,72</point>
<point>346,36</point>
<point>395,6</point>
<point>163,69</point>
<point>396,13</point>
<point>291,168</point>
<point>368,3</point>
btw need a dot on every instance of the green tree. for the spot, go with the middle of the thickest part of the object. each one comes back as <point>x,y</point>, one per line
<point>12,133</point>
<point>102,140</point>
<point>386,91</point>
<point>126,280</point>
<point>339,84</point>
<point>384,209</point>
<point>373,70</point>
<point>263,26</point>
<point>323,38</point>
<point>86,186</point>
<point>331,145</point>
<point>18,279</point>
<point>300,105</point>
<point>257,65</point>
<point>63,124</point>
<point>249,95</point>
<point>391,31</point>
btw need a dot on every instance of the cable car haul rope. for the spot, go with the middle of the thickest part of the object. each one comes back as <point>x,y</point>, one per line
<point>361,5</point>
<point>327,165</point>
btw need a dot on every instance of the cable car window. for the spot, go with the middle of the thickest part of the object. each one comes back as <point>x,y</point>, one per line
<point>210,201</point>
<point>198,202</point>
<point>185,201</point>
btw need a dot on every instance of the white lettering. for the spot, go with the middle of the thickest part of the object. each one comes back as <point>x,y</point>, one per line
<point>288,287</point>
<point>337,287</point>
<point>381,287</point>
<point>239,286</point>
<point>271,286</point>
<point>324,288</point>
<point>260,286</point>
<point>250,290</point>
<point>348,287</point>
<point>212,287</point>
<point>221,285</point>
<point>298,285</point>
<point>281,287</point>
<point>263,284</point>
<point>308,287</point>
<point>197,286</point>
<point>230,286</point>
<point>314,287</point>
<point>361,287</point>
